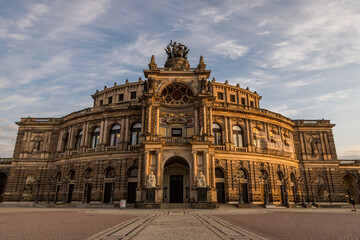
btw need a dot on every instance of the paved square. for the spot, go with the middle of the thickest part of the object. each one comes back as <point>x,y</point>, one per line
<point>224,223</point>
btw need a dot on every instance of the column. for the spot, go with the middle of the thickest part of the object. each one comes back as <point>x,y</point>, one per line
<point>146,165</point>
<point>158,168</point>
<point>101,132</point>
<point>204,120</point>
<point>196,123</point>
<point>225,131</point>
<point>149,120</point>
<point>194,167</point>
<point>206,167</point>
<point>213,171</point>
<point>142,120</point>
<point>59,141</point>
<point>70,139</point>
<point>83,135</point>
<point>86,133</point>
<point>106,133</point>
<point>210,121</point>
<point>230,130</point>
<point>122,130</point>
<point>127,129</point>
<point>157,120</point>
<point>139,170</point>
<point>248,130</point>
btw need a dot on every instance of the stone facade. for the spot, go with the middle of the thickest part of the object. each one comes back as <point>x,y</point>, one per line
<point>176,137</point>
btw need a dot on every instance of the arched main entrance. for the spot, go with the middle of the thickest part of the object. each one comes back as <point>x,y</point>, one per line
<point>2,185</point>
<point>176,180</point>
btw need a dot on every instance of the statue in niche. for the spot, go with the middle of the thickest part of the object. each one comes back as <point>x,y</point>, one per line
<point>201,181</point>
<point>151,180</point>
<point>314,146</point>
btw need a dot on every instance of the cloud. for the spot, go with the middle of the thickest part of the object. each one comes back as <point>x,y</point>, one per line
<point>230,49</point>
<point>321,35</point>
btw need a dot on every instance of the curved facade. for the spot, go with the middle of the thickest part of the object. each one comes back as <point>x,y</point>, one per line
<point>177,137</point>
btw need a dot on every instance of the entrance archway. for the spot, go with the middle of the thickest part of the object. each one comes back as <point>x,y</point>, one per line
<point>176,180</point>
<point>351,188</point>
<point>220,185</point>
<point>2,185</point>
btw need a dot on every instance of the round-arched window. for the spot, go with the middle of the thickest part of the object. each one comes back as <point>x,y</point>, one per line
<point>110,173</point>
<point>217,134</point>
<point>115,135</point>
<point>135,133</point>
<point>219,173</point>
<point>95,136</point>
<point>78,140</point>
<point>238,136</point>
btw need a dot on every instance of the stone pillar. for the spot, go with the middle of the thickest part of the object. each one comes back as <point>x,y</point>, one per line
<point>230,132</point>
<point>157,120</point>
<point>149,120</point>
<point>194,167</point>
<point>204,120</point>
<point>213,171</point>
<point>83,135</point>
<point>127,130</point>
<point>101,132</point>
<point>158,168</point>
<point>106,133</point>
<point>323,146</point>
<point>225,131</point>
<point>210,121</point>
<point>70,139</point>
<point>146,165</point>
<point>86,133</point>
<point>196,123</point>
<point>59,141</point>
<point>206,168</point>
<point>142,120</point>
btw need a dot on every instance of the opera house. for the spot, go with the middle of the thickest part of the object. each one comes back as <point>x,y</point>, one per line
<point>176,137</point>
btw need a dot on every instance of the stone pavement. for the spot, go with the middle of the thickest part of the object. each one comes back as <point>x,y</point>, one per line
<point>176,224</point>
<point>227,222</point>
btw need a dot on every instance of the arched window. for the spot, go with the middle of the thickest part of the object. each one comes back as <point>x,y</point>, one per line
<point>133,173</point>
<point>115,135</point>
<point>78,140</point>
<point>219,173</point>
<point>135,133</point>
<point>238,136</point>
<point>217,134</point>
<point>58,177</point>
<point>65,141</point>
<point>95,135</point>
<point>242,174</point>
<point>88,173</point>
<point>110,173</point>
<point>72,175</point>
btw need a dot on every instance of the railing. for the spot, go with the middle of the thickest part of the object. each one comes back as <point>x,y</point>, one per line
<point>111,148</point>
<point>240,149</point>
<point>176,139</point>
<point>219,148</point>
<point>134,147</point>
<point>5,160</point>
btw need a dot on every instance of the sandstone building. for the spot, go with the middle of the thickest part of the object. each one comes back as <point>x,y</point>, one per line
<point>176,137</point>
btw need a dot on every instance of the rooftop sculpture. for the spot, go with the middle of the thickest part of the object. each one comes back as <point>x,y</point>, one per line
<point>174,50</point>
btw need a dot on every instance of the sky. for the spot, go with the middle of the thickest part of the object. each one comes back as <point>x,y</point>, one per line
<point>301,56</point>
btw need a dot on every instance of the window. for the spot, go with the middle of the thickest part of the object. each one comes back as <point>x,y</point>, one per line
<point>95,135</point>
<point>220,95</point>
<point>88,173</point>
<point>219,173</point>
<point>217,134</point>
<point>66,140</point>
<point>78,140</point>
<point>101,103</point>
<point>110,100</point>
<point>252,103</point>
<point>176,132</point>
<point>115,135</point>
<point>237,136</point>
<point>72,175</point>
<point>243,101</point>
<point>133,172</point>
<point>135,133</point>
<point>110,173</point>
<point>232,98</point>
<point>121,97</point>
<point>133,95</point>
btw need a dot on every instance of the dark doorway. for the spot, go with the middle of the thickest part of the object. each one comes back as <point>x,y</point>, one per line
<point>220,191</point>
<point>282,192</point>
<point>2,185</point>
<point>131,195</point>
<point>107,192</point>
<point>176,188</point>
<point>70,192</point>
<point>57,193</point>
<point>244,192</point>
<point>88,189</point>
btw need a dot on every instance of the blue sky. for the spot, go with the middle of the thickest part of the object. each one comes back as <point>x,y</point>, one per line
<point>301,56</point>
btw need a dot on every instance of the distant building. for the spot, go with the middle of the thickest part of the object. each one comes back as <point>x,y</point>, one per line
<point>176,138</point>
